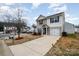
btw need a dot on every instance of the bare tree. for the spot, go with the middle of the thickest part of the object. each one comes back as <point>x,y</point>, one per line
<point>34,26</point>
<point>20,22</point>
<point>16,18</point>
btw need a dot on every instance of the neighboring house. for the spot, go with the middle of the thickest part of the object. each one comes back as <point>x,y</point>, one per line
<point>54,25</point>
<point>77,29</point>
<point>26,29</point>
<point>8,27</point>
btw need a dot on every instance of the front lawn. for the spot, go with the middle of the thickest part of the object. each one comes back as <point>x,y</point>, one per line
<point>67,46</point>
<point>72,36</point>
<point>26,37</point>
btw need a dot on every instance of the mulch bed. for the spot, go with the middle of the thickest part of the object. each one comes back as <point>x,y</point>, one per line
<point>26,38</point>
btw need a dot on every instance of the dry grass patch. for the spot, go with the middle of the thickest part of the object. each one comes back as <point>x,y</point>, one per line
<point>26,38</point>
<point>67,46</point>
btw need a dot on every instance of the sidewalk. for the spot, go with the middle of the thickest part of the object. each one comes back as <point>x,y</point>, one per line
<point>38,47</point>
<point>4,49</point>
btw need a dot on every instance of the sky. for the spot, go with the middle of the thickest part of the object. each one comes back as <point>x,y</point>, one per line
<point>31,11</point>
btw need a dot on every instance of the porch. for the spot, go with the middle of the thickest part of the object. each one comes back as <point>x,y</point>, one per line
<point>45,30</point>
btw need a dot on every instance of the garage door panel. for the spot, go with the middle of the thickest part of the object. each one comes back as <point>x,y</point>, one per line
<point>55,31</point>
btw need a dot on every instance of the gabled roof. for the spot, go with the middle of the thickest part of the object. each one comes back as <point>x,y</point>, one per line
<point>40,17</point>
<point>57,14</point>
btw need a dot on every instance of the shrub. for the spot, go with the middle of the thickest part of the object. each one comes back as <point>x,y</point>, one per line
<point>34,33</point>
<point>19,38</point>
<point>72,35</point>
<point>64,33</point>
<point>39,33</point>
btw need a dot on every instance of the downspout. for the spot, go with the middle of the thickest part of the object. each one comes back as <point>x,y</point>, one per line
<point>63,22</point>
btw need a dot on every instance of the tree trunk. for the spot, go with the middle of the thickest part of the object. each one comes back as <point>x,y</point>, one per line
<point>34,30</point>
<point>18,35</point>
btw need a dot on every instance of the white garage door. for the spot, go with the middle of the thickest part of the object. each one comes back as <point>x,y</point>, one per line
<point>55,31</point>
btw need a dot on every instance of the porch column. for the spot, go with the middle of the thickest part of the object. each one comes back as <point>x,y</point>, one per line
<point>42,31</point>
<point>46,30</point>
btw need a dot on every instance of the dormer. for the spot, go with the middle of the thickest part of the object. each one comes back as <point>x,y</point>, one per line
<point>40,19</point>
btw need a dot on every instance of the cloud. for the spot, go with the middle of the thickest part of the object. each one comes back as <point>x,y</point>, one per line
<point>53,5</point>
<point>25,9</point>
<point>61,9</point>
<point>10,10</point>
<point>9,4</point>
<point>35,17</point>
<point>33,20</point>
<point>35,5</point>
<point>13,11</point>
<point>26,19</point>
<point>71,19</point>
<point>4,8</point>
<point>57,8</point>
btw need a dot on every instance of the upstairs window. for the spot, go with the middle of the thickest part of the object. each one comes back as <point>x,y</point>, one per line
<point>40,21</point>
<point>54,20</point>
<point>51,20</point>
<point>57,19</point>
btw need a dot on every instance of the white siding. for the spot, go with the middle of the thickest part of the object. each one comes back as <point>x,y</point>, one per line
<point>45,21</point>
<point>69,28</point>
<point>58,24</point>
<point>55,31</point>
<point>38,25</point>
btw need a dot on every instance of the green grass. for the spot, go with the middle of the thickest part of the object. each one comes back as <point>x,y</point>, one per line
<point>71,54</point>
<point>71,35</point>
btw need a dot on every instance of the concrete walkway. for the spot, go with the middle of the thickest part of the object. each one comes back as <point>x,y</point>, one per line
<point>4,49</point>
<point>38,47</point>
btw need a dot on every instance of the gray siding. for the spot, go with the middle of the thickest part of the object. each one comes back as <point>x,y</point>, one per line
<point>69,28</point>
<point>77,30</point>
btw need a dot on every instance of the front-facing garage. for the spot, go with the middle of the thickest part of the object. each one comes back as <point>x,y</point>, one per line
<point>55,31</point>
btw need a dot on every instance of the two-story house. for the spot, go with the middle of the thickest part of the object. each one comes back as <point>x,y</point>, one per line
<point>54,25</point>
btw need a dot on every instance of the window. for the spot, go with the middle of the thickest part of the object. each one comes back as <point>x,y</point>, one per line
<point>54,20</point>
<point>51,20</point>
<point>40,21</point>
<point>57,19</point>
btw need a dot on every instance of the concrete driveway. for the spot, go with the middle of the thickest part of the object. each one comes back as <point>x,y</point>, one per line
<point>38,47</point>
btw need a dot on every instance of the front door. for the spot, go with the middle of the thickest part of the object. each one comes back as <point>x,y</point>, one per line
<point>44,30</point>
